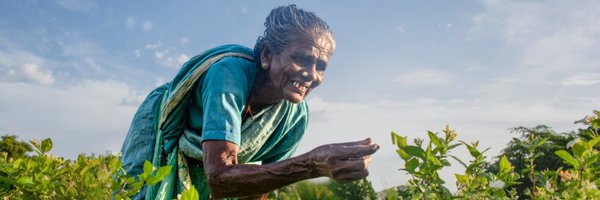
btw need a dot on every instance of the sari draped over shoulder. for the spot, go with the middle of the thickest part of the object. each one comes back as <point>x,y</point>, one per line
<point>158,131</point>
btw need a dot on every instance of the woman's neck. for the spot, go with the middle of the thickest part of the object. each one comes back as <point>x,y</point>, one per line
<point>263,94</point>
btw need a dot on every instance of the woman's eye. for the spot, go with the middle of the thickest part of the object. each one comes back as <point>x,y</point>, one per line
<point>321,66</point>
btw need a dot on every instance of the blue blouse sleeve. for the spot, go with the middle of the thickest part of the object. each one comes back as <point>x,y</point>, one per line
<point>222,98</point>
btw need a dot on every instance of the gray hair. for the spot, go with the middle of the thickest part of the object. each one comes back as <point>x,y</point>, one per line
<point>284,25</point>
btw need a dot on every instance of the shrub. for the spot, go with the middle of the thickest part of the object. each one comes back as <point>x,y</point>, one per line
<point>45,176</point>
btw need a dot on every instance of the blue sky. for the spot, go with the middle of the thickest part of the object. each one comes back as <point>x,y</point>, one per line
<point>76,71</point>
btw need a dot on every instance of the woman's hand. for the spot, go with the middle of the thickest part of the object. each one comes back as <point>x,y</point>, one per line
<point>343,162</point>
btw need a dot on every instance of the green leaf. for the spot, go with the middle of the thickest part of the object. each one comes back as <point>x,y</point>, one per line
<point>403,154</point>
<point>434,139</point>
<point>541,142</point>
<point>148,167</point>
<point>593,142</point>
<point>453,146</point>
<point>411,165</point>
<point>135,188</point>
<point>160,175</point>
<point>505,166</point>
<point>27,181</point>
<point>590,160</point>
<point>163,172</point>
<point>472,150</point>
<point>567,158</point>
<point>414,151</point>
<point>398,140</point>
<point>445,162</point>
<point>432,158</point>
<point>191,194</point>
<point>462,179</point>
<point>596,123</point>
<point>459,161</point>
<point>46,145</point>
<point>151,180</point>
<point>580,148</point>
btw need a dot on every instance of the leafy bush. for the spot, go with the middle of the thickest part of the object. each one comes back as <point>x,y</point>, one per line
<point>534,151</point>
<point>356,190</point>
<point>45,176</point>
<point>303,190</point>
<point>423,164</point>
<point>567,171</point>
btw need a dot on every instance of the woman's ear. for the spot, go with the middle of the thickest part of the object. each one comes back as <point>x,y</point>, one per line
<point>266,55</point>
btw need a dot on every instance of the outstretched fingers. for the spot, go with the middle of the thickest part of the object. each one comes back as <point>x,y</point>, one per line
<point>360,142</point>
<point>357,151</point>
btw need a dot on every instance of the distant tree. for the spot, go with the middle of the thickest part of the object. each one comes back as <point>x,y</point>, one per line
<point>13,148</point>
<point>519,152</point>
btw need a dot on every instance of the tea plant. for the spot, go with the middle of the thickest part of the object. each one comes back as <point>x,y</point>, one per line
<point>423,164</point>
<point>581,179</point>
<point>532,154</point>
<point>45,176</point>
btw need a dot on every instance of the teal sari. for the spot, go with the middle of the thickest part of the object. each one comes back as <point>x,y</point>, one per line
<point>159,133</point>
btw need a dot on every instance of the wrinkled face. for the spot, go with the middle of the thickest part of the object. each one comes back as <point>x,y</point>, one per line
<point>300,67</point>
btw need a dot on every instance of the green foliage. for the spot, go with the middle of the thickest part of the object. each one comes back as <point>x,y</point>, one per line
<point>581,178</point>
<point>303,190</point>
<point>356,190</point>
<point>541,164</point>
<point>309,190</point>
<point>424,163</point>
<point>12,149</point>
<point>191,194</point>
<point>45,176</point>
<point>531,153</point>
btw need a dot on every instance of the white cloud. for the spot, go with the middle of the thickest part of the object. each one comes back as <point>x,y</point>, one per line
<point>11,58</point>
<point>559,51</point>
<point>153,46</point>
<point>167,59</point>
<point>159,81</point>
<point>130,22</point>
<point>34,73</point>
<point>182,58</point>
<point>424,77</point>
<point>400,28</point>
<point>29,73</point>
<point>184,40</point>
<point>244,10</point>
<point>552,36</point>
<point>77,5</point>
<point>160,54</point>
<point>147,25</point>
<point>137,53</point>
<point>90,116</point>
<point>80,47</point>
<point>587,79</point>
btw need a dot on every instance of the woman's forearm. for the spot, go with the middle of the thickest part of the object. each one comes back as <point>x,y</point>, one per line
<point>250,180</point>
<point>227,178</point>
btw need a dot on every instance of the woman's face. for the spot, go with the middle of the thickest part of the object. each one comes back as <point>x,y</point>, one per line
<point>300,67</point>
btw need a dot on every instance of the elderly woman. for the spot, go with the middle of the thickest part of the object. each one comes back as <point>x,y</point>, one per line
<point>232,117</point>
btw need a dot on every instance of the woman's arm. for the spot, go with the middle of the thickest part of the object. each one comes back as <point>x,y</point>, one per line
<point>227,178</point>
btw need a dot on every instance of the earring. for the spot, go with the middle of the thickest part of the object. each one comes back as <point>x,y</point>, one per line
<point>265,66</point>
<point>305,74</point>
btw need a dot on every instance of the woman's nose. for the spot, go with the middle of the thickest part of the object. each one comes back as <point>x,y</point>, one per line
<point>310,74</point>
